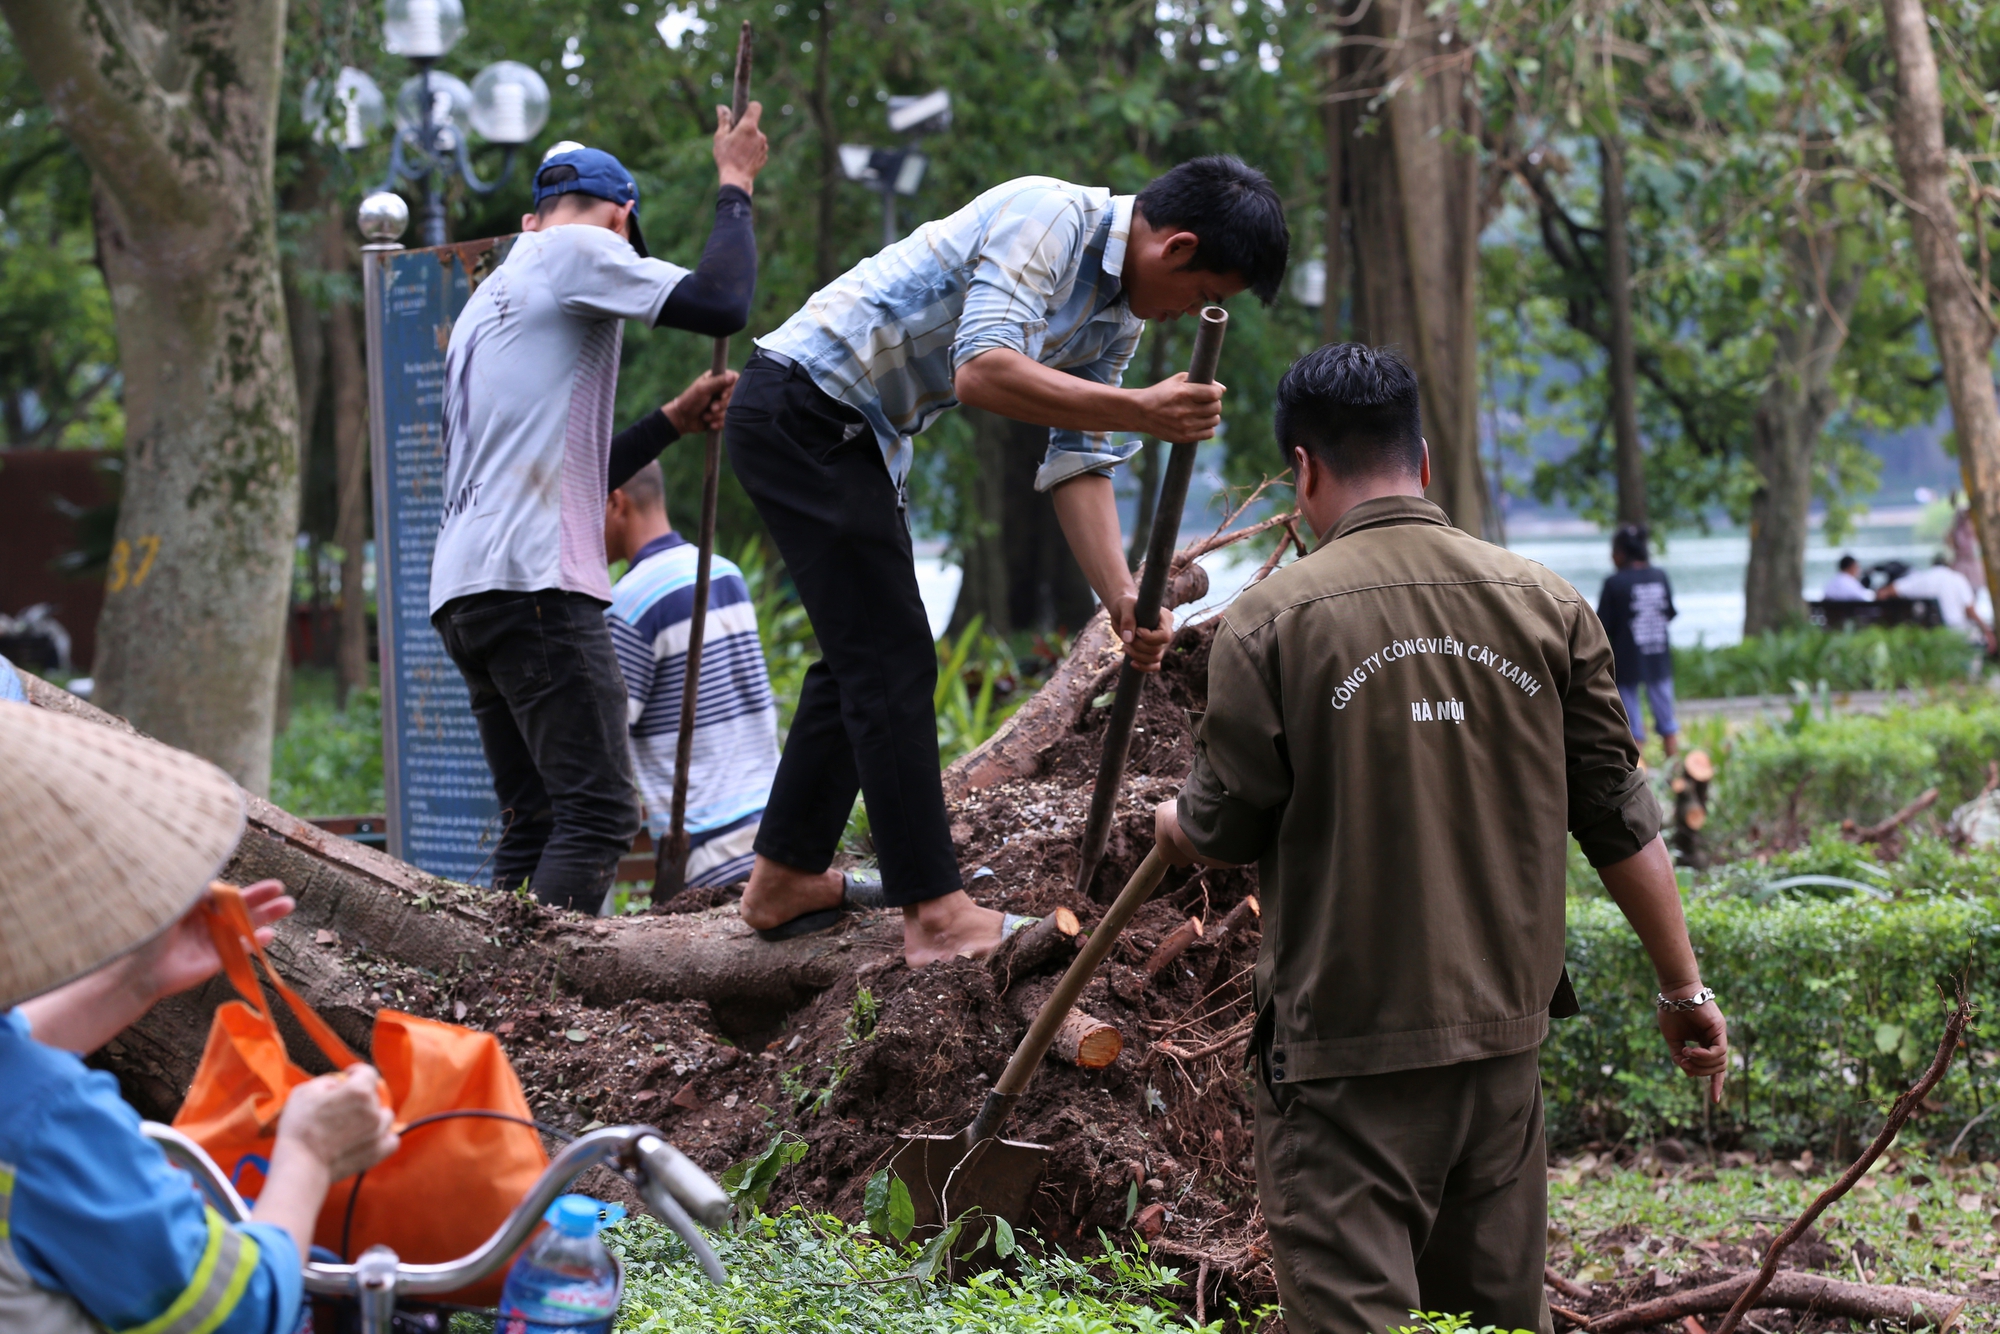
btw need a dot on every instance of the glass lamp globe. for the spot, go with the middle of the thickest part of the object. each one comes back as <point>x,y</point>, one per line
<point>451,102</point>
<point>510,103</point>
<point>422,29</point>
<point>345,111</point>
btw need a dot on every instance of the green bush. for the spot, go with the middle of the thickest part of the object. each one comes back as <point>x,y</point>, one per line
<point>1871,658</point>
<point>813,1274</point>
<point>328,762</point>
<point>1857,766</point>
<point>1833,1010</point>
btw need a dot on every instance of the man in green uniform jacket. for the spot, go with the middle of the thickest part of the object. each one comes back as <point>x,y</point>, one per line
<point>1403,729</point>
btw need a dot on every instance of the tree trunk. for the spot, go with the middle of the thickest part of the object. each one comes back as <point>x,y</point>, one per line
<point>1333,123</point>
<point>1416,222</point>
<point>348,370</point>
<point>363,915</point>
<point>1790,414</point>
<point>982,591</point>
<point>1961,326</point>
<point>176,119</point>
<point>1624,362</point>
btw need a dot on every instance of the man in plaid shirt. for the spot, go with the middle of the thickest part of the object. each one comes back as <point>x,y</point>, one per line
<point>1027,302</point>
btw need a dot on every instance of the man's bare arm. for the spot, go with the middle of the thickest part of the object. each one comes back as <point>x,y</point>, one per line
<point>1088,513</point>
<point>1643,887</point>
<point>1014,385</point>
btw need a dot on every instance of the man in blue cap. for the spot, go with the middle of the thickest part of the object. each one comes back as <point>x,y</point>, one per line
<point>518,580</point>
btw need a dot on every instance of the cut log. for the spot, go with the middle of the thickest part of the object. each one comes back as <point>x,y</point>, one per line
<point>1030,948</point>
<point>1088,1042</point>
<point>1175,945</point>
<point>1792,1290</point>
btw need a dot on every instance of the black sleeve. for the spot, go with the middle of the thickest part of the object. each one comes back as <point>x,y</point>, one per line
<point>715,298</point>
<point>637,445</point>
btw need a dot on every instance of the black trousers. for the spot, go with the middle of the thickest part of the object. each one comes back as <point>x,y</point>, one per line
<point>865,719</point>
<point>550,702</point>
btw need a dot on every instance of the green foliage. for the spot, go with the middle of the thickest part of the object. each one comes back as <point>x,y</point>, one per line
<point>1869,658</point>
<point>1857,766</point>
<point>329,762</point>
<point>58,351</point>
<point>813,1274</point>
<point>1811,987</point>
<point>966,712</point>
<point>1436,1322</point>
<point>886,1207</point>
<point>748,1184</point>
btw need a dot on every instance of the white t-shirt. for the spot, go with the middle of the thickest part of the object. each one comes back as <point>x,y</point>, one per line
<point>1844,587</point>
<point>1951,589</point>
<point>531,374</point>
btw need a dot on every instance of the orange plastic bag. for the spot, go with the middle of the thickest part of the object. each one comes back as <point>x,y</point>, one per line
<point>453,1181</point>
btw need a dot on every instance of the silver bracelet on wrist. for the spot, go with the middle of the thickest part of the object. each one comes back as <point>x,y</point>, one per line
<point>1694,1002</point>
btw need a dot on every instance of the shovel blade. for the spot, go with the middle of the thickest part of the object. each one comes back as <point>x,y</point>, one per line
<point>948,1178</point>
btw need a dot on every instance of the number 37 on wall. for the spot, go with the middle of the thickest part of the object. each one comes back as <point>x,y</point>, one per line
<point>123,574</point>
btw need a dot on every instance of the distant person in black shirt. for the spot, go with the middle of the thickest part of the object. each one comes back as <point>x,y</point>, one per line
<point>1635,606</point>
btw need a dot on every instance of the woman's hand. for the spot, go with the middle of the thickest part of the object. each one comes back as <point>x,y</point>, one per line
<point>87,1013</point>
<point>184,956</point>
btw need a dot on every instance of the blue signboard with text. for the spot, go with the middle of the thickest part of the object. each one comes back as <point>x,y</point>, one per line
<point>443,816</point>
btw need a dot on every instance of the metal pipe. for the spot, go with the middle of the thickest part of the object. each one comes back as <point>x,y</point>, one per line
<point>189,1156</point>
<point>1152,587</point>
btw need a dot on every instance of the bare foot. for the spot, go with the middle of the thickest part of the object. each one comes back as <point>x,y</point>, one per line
<point>777,893</point>
<point>950,927</point>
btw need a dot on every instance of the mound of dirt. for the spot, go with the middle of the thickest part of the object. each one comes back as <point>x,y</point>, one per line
<point>1158,1142</point>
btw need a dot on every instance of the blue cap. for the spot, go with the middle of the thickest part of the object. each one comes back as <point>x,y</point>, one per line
<point>593,172</point>
<point>577,1215</point>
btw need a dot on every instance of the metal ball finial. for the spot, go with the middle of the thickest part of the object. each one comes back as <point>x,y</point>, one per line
<point>383,218</point>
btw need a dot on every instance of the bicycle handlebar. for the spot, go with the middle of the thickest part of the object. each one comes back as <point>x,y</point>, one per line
<point>674,1188</point>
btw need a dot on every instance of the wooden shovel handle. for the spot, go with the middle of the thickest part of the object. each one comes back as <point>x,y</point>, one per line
<point>1041,1034</point>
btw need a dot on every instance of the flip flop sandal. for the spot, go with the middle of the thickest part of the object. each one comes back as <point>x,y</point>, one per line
<point>1012,922</point>
<point>858,889</point>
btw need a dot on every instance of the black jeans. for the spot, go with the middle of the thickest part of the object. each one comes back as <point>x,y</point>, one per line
<point>551,708</point>
<point>865,720</point>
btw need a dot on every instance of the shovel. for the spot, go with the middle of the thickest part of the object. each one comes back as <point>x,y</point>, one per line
<point>949,1176</point>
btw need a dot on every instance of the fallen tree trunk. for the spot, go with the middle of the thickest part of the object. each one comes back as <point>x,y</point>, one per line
<point>358,907</point>
<point>363,913</point>
<point>1792,1290</point>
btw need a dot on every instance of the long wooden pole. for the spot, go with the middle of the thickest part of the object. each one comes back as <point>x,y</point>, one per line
<point>670,864</point>
<point>1152,585</point>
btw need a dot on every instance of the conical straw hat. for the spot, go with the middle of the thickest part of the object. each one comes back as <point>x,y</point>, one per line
<point>105,840</point>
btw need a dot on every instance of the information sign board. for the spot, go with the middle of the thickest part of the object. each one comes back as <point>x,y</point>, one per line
<point>443,817</point>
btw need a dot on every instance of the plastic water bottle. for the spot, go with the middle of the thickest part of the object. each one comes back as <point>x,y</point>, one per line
<point>565,1281</point>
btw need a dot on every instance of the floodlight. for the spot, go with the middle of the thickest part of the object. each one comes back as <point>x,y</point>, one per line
<point>927,114</point>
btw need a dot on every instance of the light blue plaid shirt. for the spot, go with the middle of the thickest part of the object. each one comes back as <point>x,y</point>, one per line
<point>1033,265</point>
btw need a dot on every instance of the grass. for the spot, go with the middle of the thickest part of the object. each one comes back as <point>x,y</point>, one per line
<point>813,1274</point>
<point>1913,1220</point>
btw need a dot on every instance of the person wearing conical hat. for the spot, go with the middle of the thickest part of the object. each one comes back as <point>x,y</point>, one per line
<point>107,846</point>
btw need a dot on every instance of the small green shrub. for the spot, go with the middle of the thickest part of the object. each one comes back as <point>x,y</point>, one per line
<point>1857,766</point>
<point>1870,658</point>
<point>328,762</point>
<point>1833,1009</point>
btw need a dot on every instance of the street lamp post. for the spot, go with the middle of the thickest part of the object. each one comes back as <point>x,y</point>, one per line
<point>436,112</point>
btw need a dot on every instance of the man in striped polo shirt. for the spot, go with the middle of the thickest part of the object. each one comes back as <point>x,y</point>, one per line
<point>735,722</point>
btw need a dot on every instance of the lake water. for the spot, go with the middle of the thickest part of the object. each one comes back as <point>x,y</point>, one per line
<point>1706,570</point>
